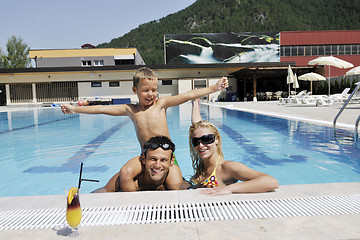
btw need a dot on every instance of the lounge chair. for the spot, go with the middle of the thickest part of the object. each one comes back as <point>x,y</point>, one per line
<point>269,95</point>
<point>323,100</point>
<point>277,95</point>
<point>293,98</point>
<point>340,97</point>
<point>354,99</point>
<point>315,100</point>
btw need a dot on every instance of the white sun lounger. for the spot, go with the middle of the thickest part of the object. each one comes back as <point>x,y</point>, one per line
<point>340,97</point>
<point>293,98</point>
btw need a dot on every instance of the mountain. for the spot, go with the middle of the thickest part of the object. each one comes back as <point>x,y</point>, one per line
<point>224,16</point>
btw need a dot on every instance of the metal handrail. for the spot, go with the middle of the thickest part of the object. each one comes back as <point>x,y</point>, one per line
<point>342,109</point>
<point>356,135</point>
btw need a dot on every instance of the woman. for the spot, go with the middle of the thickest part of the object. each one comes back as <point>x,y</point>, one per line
<point>213,171</point>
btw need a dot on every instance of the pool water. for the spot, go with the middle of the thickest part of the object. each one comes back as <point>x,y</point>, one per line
<point>41,149</point>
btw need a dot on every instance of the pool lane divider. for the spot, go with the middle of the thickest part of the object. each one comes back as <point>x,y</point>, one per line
<point>38,124</point>
<point>72,163</point>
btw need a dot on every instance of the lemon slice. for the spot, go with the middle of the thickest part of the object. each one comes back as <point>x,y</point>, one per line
<point>73,191</point>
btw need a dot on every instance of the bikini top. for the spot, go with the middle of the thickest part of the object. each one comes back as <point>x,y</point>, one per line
<point>211,181</point>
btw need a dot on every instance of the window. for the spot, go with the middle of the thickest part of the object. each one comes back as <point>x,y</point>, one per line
<point>98,62</point>
<point>347,49</point>
<point>328,50</point>
<point>124,61</point>
<point>354,50</point>
<point>314,50</point>
<point>95,84</point>
<point>199,83</point>
<point>287,51</point>
<point>166,82</point>
<point>114,84</point>
<point>301,50</point>
<point>334,50</point>
<point>341,49</point>
<point>86,63</point>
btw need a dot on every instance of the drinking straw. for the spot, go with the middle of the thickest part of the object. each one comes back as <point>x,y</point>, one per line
<point>83,179</point>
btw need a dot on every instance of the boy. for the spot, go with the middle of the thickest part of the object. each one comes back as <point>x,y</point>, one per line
<point>149,118</point>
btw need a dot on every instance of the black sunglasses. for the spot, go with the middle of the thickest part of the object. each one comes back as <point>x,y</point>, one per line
<point>205,139</point>
<point>154,146</point>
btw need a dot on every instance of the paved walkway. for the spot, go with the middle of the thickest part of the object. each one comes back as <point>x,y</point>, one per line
<point>322,114</point>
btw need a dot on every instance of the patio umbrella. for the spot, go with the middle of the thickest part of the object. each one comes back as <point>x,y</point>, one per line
<point>312,77</point>
<point>295,83</point>
<point>354,71</point>
<point>290,77</point>
<point>331,61</point>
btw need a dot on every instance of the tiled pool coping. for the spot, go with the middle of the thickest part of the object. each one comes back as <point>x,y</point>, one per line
<point>318,227</point>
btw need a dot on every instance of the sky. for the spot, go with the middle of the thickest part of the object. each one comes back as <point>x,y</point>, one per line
<point>50,24</point>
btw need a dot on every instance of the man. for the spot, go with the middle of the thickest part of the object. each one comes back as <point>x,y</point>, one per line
<point>157,158</point>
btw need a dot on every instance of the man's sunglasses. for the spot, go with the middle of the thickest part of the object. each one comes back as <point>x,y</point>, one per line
<point>154,146</point>
<point>205,139</point>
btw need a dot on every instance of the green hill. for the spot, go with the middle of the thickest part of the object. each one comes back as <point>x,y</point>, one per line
<point>223,16</point>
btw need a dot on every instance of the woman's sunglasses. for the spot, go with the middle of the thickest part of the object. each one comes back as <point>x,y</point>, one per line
<point>205,139</point>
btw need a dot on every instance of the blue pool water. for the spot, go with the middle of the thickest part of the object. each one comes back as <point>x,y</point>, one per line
<point>41,149</point>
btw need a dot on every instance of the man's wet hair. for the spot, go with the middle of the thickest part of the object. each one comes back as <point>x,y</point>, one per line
<point>159,141</point>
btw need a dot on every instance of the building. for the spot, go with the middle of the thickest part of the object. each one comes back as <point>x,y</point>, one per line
<point>302,46</point>
<point>106,74</point>
<point>87,56</point>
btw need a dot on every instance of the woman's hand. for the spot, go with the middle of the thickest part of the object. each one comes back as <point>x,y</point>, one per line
<point>221,190</point>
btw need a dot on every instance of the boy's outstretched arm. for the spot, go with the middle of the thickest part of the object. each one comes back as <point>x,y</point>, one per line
<point>114,110</point>
<point>195,93</point>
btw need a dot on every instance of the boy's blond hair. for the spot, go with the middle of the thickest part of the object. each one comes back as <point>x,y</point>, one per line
<point>143,73</point>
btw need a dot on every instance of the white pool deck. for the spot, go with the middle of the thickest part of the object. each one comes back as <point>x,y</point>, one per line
<point>343,226</point>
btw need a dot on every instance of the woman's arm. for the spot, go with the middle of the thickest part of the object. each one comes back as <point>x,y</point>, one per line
<point>252,181</point>
<point>195,115</point>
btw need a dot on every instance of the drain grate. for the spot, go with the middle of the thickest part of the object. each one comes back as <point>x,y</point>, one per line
<point>185,212</point>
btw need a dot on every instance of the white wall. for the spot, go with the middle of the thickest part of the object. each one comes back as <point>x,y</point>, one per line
<point>168,90</point>
<point>123,91</point>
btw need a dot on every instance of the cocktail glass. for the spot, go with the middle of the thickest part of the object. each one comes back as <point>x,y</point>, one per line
<point>73,210</point>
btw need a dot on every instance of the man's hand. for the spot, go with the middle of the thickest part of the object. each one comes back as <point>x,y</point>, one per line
<point>222,83</point>
<point>67,108</point>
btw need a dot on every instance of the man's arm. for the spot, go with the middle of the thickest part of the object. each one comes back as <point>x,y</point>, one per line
<point>113,185</point>
<point>114,110</point>
<point>192,94</point>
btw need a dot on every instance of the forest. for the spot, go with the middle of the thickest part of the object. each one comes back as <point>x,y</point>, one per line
<point>236,16</point>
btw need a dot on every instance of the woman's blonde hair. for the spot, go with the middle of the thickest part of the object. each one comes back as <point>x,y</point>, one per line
<point>197,162</point>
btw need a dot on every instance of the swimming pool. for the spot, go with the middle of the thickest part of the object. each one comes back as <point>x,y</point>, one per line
<point>42,148</point>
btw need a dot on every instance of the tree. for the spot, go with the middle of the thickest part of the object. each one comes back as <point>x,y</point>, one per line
<point>17,54</point>
<point>1,59</point>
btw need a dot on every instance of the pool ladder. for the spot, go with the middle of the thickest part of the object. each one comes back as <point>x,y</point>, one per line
<point>342,133</point>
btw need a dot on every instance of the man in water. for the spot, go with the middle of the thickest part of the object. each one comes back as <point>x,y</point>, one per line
<point>157,158</point>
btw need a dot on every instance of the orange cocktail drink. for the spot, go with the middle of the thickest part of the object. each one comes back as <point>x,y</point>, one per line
<point>73,209</point>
